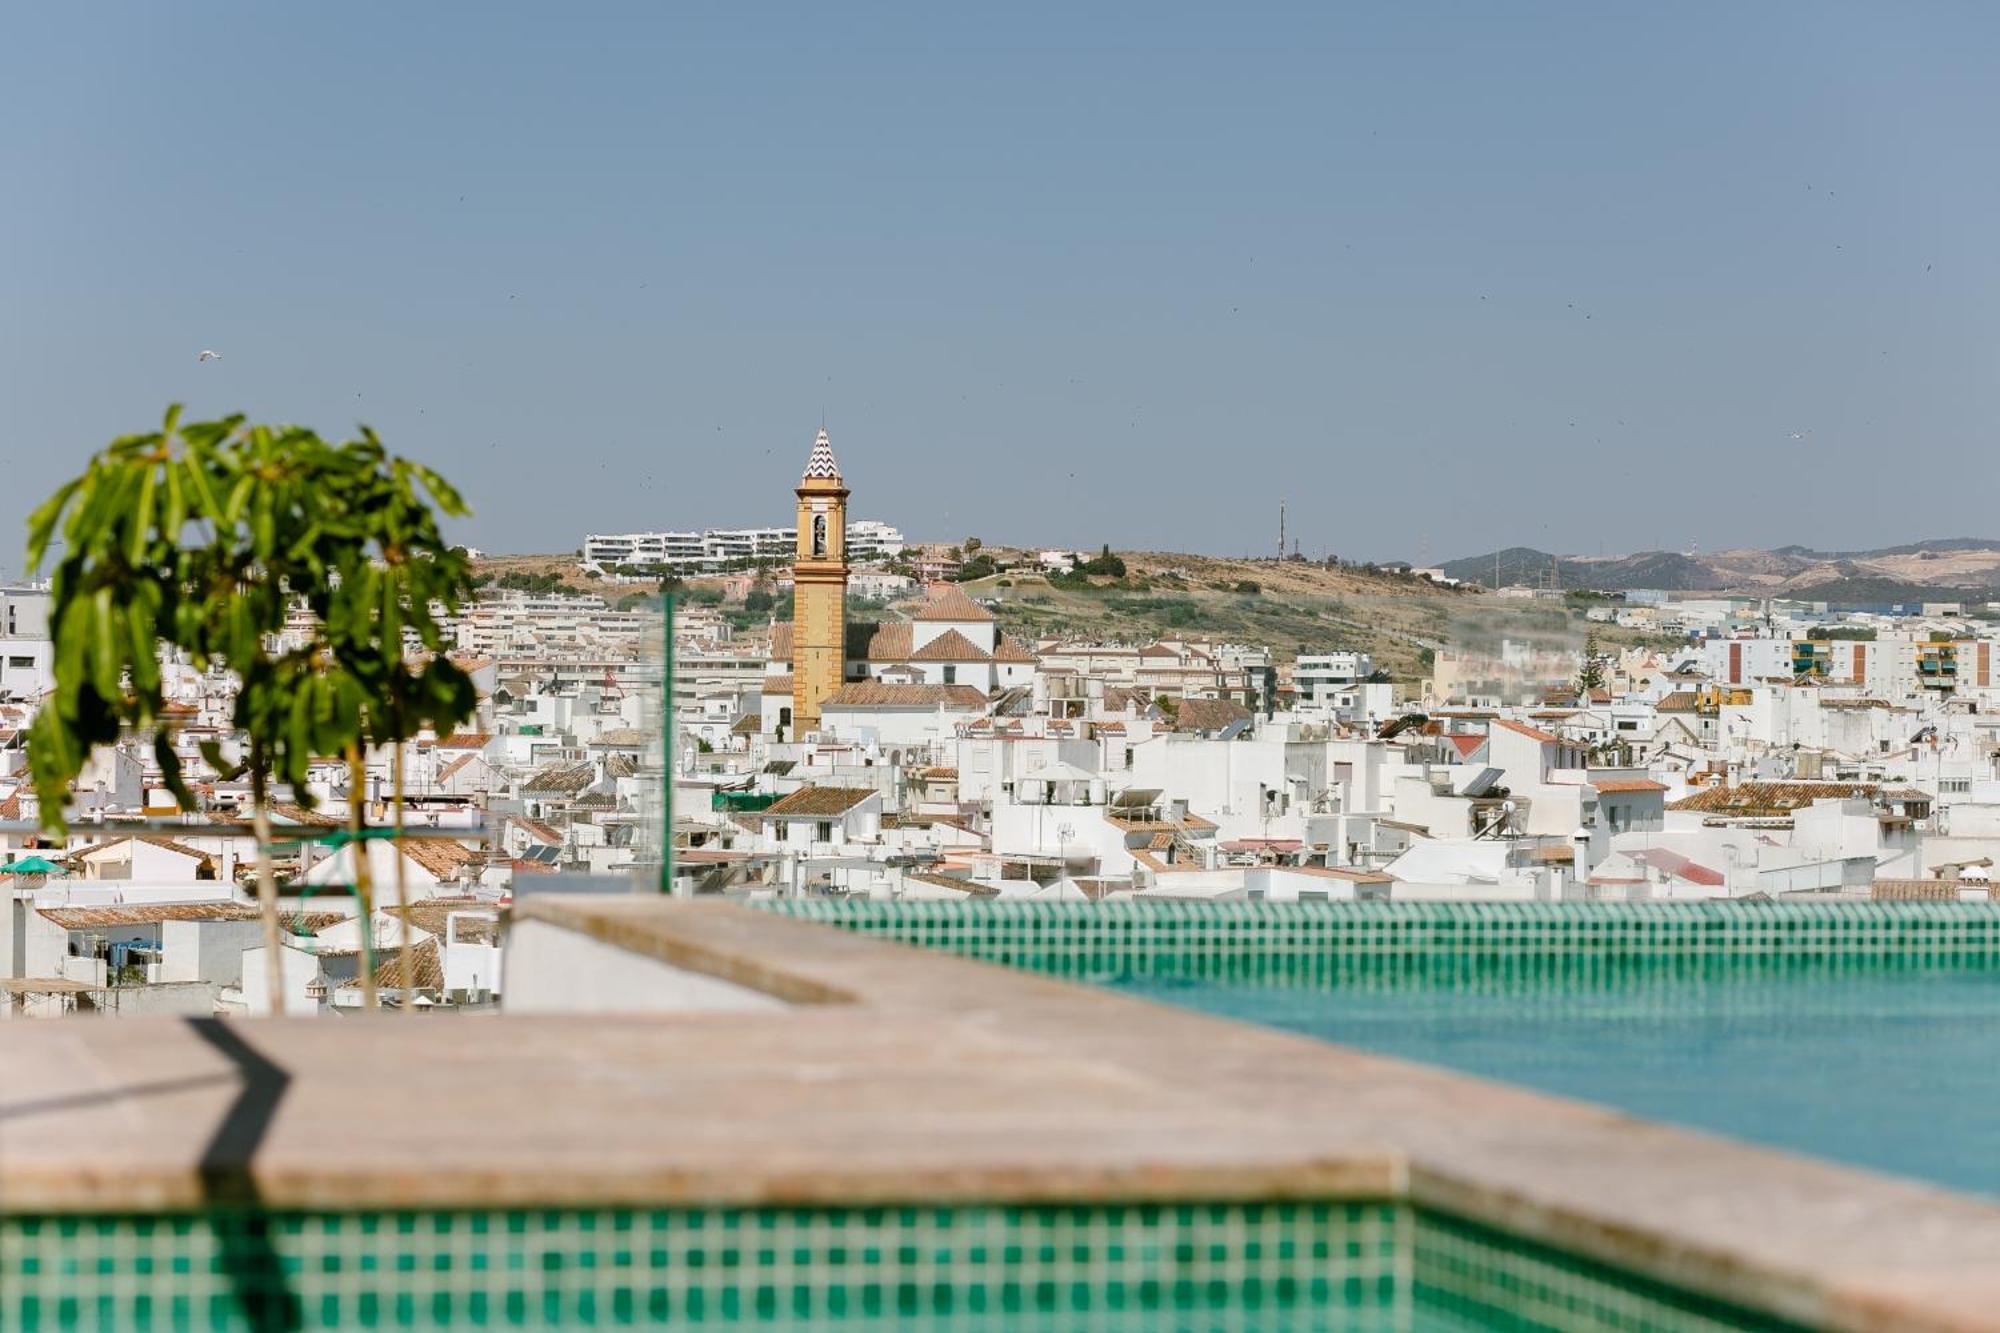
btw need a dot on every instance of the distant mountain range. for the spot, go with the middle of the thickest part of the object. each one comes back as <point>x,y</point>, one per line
<point>1944,569</point>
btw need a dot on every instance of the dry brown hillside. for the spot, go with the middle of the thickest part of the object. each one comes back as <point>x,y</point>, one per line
<point>1292,606</point>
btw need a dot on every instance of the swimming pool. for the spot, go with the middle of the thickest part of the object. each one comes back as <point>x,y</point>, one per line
<point>1360,1199</point>
<point>1892,1069</point>
<point>1864,1033</point>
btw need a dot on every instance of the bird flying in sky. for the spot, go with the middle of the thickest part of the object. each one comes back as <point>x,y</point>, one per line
<point>207,355</point>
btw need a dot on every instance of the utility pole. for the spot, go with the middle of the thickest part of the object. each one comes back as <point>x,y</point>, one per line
<point>1281,532</point>
<point>667,747</point>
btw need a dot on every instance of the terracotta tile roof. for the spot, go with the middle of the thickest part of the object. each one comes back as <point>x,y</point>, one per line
<point>777,684</point>
<point>1532,733</point>
<point>561,779</point>
<point>1679,867</point>
<point>465,740</point>
<point>154,840</point>
<point>455,765</point>
<point>441,858</point>
<point>1209,714</point>
<point>298,814</point>
<point>880,694</point>
<point>951,646</point>
<point>145,914</point>
<point>1680,701</point>
<point>880,643</point>
<point>947,601</point>
<point>1466,745</point>
<point>541,832</point>
<point>1626,784</point>
<point>426,968</point>
<point>1351,873</point>
<point>966,886</point>
<point>1011,649</point>
<point>1765,800</point>
<point>310,923</point>
<point>430,916</point>
<point>1922,890</point>
<point>818,802</point>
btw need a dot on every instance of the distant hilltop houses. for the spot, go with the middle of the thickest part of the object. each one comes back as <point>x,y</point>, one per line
<point>717,548</point>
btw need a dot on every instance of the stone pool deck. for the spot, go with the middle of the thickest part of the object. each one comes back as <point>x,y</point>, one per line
<point>900,1075</point>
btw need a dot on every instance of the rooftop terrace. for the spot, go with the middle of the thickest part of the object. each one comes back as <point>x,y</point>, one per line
<point>873,1074</point>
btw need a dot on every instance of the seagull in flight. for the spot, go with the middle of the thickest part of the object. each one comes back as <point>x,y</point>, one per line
<point>207,355</point>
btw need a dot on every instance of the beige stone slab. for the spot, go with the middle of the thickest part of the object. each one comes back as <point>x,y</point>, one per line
<point>904,1075</point>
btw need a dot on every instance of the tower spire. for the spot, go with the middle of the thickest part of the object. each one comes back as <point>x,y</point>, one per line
<point>821,462</point>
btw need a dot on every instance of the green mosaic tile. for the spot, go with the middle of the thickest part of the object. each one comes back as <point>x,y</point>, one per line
<point>1441,943</point>
<point>1466,1276</point>
<point>1333,1266</point>
<point>1219,1268</point>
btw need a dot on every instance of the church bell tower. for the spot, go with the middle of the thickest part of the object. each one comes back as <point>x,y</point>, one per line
<point>819,588</point>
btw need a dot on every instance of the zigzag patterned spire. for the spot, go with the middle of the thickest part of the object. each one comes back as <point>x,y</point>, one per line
<point>821,463</point>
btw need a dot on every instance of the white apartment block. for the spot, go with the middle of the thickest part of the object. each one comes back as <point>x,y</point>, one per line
<point>867,539</point>
<point>1320,677</point>
<point>514,623</point>
<point>27,655</point>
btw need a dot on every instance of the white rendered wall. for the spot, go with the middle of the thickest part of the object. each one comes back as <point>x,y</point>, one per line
<point>554,970</point>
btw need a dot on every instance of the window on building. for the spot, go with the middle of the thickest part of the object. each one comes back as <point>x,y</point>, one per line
<point>950,675</point>
<point>819,534</point>
<point>823,830</point>
<point>21,663</point>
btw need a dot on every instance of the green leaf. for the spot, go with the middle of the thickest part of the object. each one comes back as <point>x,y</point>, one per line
<point>141,534</point>
<point>170,771</point>
<point>42,523</point>
<point>226,769</point>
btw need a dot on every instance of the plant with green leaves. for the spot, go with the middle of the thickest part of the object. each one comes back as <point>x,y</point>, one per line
<point>208,538</point>
<point>382,631</point>
<point>1591,674</point>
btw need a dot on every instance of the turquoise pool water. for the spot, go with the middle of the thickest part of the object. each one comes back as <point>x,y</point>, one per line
<point>1894,1069</point>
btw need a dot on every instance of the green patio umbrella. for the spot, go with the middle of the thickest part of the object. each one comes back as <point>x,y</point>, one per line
<point>31,865</point>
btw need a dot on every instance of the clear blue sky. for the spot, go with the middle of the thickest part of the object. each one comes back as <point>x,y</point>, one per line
<point>1446,276</point>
